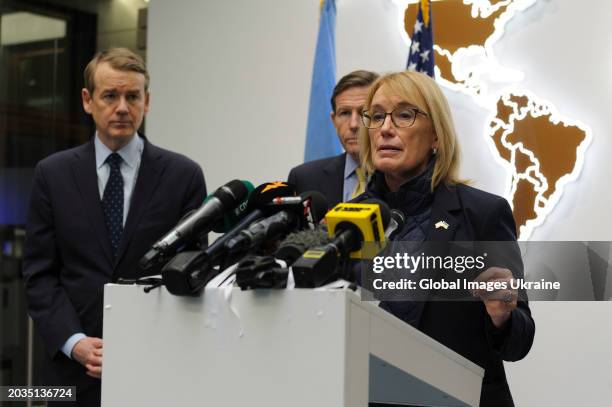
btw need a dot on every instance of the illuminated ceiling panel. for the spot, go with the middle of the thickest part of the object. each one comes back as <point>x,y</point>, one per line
<point>24,27</point>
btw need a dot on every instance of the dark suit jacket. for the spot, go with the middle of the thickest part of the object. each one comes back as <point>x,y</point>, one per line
<point>464,326</point>
<point>68,256</point>
<point>325,175</point>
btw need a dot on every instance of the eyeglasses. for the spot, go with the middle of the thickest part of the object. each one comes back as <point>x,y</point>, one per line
<point>401,116</point>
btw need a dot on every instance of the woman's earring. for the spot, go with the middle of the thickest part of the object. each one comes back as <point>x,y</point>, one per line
<point>434,151</point>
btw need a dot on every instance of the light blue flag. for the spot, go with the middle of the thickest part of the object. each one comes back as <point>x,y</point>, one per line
<point>321,138</point>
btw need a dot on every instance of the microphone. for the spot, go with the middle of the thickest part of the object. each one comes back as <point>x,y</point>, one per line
<point>201,221</point>
<point>350,225</point>
<point>267,192</point>
<point>258,198</point>
<point>188,272</point>
<point>396,223</point>
<point>310,210</point>
<point>265,272</point>
<point>232,218</point>
<point>296,243</point>
<point>260,272</point>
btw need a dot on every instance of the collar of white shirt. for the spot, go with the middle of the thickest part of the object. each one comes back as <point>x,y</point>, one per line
<point>130,153</point>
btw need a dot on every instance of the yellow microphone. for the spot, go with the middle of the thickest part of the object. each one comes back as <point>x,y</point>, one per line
<point>350,225</point>
<point>365,220</point>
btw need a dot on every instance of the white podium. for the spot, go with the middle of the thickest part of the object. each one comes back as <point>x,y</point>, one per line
<point>272,348</point>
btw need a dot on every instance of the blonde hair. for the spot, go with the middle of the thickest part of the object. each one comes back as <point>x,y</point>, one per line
<point>421,91</point>
<point>121,59</point>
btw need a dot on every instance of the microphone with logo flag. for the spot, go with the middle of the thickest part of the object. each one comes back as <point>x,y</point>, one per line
<point>201,221</point>
<point>295,214</point>
<point>189,271</point>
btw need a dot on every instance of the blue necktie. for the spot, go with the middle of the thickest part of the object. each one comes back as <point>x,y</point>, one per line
<point>112,202</point>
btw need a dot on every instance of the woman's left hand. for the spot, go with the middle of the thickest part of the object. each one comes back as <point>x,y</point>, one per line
<point>499,302</point>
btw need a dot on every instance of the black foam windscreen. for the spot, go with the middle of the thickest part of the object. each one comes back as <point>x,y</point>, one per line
<point>296,243</point>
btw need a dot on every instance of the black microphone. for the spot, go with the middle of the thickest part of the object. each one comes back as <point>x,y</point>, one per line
<point>296,243</point>
<point>265,272</point>
<point>397,222</point>
<point>255,272</point>
<point>188,272</point>
<point>201,221</point>
<point>267,192</point>
<point>232,218</point>
<point>312,204</point>
<point>351,225</point>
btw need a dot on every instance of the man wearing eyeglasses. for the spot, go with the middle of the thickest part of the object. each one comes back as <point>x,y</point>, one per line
<point>340,178</point>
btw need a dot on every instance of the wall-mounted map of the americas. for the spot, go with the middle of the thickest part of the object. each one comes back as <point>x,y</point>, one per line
<point>541,150</point>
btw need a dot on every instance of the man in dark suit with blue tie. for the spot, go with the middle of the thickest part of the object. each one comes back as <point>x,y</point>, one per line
<point>94,211</point>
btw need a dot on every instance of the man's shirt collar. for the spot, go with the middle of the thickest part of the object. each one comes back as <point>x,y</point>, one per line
<point>130,153</point>
<point>349,166</point>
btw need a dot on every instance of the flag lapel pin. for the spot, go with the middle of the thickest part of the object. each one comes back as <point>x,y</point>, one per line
<point>442,224</point>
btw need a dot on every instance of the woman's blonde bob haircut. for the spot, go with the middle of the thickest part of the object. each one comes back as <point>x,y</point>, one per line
<point>421,91</point>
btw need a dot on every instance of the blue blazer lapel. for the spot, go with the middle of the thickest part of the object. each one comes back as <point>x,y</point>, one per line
<point>334,178</point>
<point>86,177</point>
<point>149,173</point>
